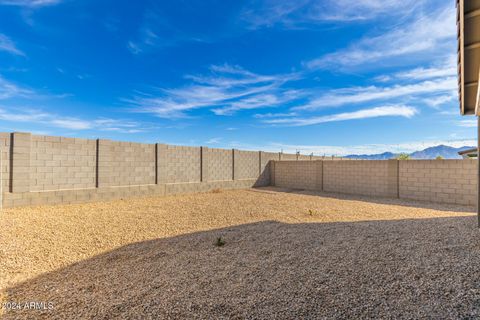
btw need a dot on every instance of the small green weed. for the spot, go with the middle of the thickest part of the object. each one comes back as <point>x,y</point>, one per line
<point>220,242</point>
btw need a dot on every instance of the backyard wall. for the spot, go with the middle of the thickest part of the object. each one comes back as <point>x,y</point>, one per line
<point>443,181</point>
<point>299,174</point>
<point>125,163</point>
<point>61,163</point>
<point>363,177</point>
<point>449,181</point>
<point>38,169</point>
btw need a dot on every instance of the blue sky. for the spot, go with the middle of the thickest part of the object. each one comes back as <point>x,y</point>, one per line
<point>329,77</point>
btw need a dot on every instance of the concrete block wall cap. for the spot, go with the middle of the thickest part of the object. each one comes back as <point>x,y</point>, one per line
<point>21,132</point>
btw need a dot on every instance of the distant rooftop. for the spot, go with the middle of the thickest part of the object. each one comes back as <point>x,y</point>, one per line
<point>469,153</point>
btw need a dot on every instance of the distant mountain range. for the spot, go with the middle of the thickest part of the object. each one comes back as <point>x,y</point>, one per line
<point>429,153</point>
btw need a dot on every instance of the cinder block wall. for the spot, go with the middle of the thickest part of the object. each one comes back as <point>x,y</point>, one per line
<point>288,157</point>
<point>299,174</point>
<point>246,164</point>
<point>219,164</point>
<point>178,164</point>
<point>266,168</point>
<point>449,181</point>
<point>5,147</point>
<point>363,177</point>
<point>125,163</point>
<point>39,169</point>
<point>442,181</point>
<point>304,157</point>
<point>62,163</point>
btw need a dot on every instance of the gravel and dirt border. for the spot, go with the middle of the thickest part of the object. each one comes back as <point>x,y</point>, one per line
<point>287,254</point>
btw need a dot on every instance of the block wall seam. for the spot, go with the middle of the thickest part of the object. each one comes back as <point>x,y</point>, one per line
<point>156,163</point>
<point>97,154</point>
<point>20,161</point>
<point>234,154</point>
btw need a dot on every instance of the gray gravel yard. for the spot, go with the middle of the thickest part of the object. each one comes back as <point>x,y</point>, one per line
<point>285,256</point>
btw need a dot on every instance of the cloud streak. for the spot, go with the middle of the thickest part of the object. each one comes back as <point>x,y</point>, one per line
<point>384,111</point>
<point>156,32</point>
<point>470,123</point>
<point>360,10</point>
<point>9,90</point>
<point>444,69</point>
<point>225,91</point>
<point>423,35</point>
<point>30,3</point>
<point>7,45</point>
<point>355,95</point>
<point>302,13</point>
<point>35,116</point>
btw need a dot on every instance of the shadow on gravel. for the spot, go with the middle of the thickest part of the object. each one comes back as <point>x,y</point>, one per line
<point>422,268</point>
<point>377,200</point>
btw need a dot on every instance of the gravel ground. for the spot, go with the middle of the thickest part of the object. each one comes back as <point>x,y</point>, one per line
<point>286,255</point>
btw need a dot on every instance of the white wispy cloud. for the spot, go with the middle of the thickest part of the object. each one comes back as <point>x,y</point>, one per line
<point>7,45</point>
<point>134,47</point>
<point>344,96</point>
<point>352,10</point>
<point>469,123</point>
<point>436,101</point>
<point>29,3</point>
<point>226,90</point>
<point>426,34</point>
<point>444,68</point>
<point>439,89</point>
<point>9,90</point>
<point>274,115</point>
<point>259,101</point>
<point>148,37</point>
<point>449,112</point>
<point>447,68</point>
<point>213,140</point>
<point>12,90</point>
<point>301,13</point>
<point>274,12</point>
<point>68,123</point>
<point>156,32</point>
<point>37,116</point>
<point>383,111</point>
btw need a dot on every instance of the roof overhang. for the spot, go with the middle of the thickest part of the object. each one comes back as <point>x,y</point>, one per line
<point>468,24</point>
<point>467,151</point>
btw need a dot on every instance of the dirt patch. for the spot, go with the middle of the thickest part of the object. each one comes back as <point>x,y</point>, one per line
<point>285,255</point>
